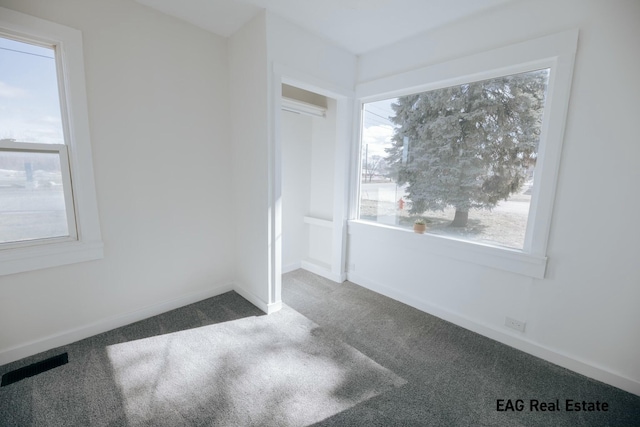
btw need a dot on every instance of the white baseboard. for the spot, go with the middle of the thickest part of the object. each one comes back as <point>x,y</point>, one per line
<point>72,335</point>
<point>268,308</point>
<point>556,357</point>
<point>321,270</point>
<point>274,306</point>
<point>290,267</point>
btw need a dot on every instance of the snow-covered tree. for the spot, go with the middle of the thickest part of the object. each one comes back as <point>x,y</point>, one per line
<point>467,146</point>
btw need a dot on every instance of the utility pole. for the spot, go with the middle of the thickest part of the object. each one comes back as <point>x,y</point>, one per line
<point>366,162</point>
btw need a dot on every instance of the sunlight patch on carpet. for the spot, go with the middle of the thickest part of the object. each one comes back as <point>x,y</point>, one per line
<point>280,369</point>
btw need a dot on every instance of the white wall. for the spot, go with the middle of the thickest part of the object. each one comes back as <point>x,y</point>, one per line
<point>251,186</point>
<point>158,109</point>
<point>322,163</point>
<point>321,203</point>
<point>295,48</point>
<point>296,134</point>
<point>584,315</point>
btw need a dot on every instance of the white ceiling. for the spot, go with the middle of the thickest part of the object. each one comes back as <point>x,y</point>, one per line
<point>357,25</point>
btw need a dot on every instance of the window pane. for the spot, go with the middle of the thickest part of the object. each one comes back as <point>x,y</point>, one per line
<point>461,158</point>
<point>29,98</point>
<point>32,203</point>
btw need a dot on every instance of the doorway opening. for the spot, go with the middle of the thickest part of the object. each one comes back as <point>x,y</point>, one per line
<point>313,177</point>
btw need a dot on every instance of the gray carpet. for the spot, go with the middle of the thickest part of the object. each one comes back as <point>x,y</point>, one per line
<point>336,355</point>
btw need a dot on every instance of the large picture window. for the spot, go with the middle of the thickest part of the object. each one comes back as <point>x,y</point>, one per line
<point>471,147</point>
<point>459,158</point>
<point>48,209</point>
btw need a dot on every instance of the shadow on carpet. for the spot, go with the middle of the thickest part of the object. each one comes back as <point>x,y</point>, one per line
<point>280,370</point>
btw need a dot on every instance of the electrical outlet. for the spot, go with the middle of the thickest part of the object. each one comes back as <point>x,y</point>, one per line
<point>514,324</point>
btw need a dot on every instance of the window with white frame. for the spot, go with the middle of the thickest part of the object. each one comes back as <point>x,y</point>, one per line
<point>35,181</point>
<point>471,148</point>
<point>461,158</point>
<point>48,212</point>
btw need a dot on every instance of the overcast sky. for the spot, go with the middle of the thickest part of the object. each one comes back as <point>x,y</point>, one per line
<point>29,101</point>
<point>377,128</point>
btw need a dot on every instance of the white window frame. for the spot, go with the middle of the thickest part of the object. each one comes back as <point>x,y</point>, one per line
<point>61,151</point>
<point>556,52</point>
<point>84,242</point>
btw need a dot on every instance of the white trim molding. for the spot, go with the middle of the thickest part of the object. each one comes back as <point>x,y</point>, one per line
<point>266,307</point>
<point>290,267</point>
<point>326,223</point>
<point>29,258</point>
<point>321,269</point>
<point>300,107</point>
<point>86,241</point>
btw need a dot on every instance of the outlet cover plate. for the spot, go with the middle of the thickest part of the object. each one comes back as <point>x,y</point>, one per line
<point>515,324</point>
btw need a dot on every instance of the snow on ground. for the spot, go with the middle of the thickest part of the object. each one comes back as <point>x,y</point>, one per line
<point>504,225</point>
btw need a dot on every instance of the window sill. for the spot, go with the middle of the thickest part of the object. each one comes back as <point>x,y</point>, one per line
<point>511,260</point>
<point>45,255</point>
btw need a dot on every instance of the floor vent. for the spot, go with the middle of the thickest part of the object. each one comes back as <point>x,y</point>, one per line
<point>34,369</point>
